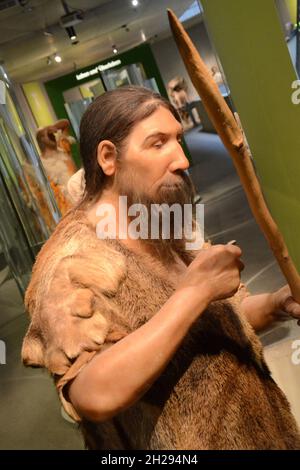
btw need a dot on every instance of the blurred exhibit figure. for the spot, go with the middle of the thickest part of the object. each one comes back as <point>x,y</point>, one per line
<point>55,145</point>
<point>178,93</point>
<point>217,76</point>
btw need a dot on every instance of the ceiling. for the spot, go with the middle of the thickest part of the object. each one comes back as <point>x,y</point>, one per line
<point>24,46</point>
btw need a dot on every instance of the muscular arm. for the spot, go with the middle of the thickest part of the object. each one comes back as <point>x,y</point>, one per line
<point>121,374</point>
<point>260,310</point>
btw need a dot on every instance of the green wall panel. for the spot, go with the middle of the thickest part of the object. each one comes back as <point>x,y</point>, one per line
<point>249,40</point>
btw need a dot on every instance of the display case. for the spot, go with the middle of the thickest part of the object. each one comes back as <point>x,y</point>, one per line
<point>28,209</point>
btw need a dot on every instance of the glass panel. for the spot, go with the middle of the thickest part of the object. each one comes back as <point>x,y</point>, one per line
<point>22,173</point>
<point>14,247</point>
<point>75,111</point>
<point>287,11</point>
<point>133,74</point>
<point>28,211</point>
<point>97,89</point>
<point>116,78</point>
<point>77,100</point>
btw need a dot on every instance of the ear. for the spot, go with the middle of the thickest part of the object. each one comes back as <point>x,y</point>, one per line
<point>107,157</point>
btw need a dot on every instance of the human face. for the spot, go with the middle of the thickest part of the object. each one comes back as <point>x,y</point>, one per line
<point>153,155</point>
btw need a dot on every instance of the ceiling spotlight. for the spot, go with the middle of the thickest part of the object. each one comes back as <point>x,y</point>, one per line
<point>134,3</point>
<point>71,33</point>
<point>57,58</point>
<point>115,50</point>
<point>143,36</point>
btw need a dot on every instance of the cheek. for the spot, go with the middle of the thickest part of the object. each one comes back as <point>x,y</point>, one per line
<point>149,165</point>
<point>155,168</point>
<point>163,160</point>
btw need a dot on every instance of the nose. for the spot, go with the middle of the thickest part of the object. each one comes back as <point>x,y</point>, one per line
<point>179,161</point>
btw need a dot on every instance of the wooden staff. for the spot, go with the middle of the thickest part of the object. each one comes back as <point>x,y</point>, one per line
<point>232,138</point>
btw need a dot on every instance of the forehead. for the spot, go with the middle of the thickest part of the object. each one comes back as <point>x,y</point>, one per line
<point>161,120</point>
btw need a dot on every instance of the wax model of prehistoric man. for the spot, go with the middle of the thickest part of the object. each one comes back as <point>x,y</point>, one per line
<point>217,76</point>
<point>178,93</point>
<point>151,346</point>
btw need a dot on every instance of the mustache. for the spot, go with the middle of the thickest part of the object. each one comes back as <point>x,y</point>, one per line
<point>178,178</point>
<point>180,190</point>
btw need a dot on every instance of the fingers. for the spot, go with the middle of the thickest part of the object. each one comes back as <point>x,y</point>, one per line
<point>286,290</point>
<point>234,249</point>
<point>292,307</point>
<point>241,265</point>
<point>229,247</point>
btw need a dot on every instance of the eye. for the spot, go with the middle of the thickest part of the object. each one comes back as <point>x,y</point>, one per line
<point>158,144</point>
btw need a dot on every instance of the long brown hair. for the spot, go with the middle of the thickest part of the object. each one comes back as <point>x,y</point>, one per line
<point>111,117</point>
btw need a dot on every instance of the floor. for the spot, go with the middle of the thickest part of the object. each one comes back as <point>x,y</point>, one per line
<point>30,413</point>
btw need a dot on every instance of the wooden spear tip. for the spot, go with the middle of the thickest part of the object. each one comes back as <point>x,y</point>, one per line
<point>172,17</point>
<point>179,32</point>
<point>181,37</point>
<point>174,22</point>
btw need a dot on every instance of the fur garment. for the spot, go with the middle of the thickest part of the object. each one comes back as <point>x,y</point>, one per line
<point>216,393</point>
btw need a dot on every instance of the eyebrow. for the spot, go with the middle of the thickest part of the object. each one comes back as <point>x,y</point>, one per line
<point>160,134</point>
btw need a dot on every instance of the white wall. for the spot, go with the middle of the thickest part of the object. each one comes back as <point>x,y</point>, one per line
<point>170,63</point>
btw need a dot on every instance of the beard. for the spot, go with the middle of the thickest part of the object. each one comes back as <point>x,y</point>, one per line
<point>179,191</point>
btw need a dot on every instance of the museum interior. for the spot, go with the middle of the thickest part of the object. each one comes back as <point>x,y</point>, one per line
<point>56,57</point>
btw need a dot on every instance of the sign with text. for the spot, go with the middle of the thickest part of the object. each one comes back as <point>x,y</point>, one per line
<point>98,68</point>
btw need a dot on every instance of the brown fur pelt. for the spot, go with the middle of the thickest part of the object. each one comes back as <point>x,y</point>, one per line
<point>216,392</point>
<point>71,281</point>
